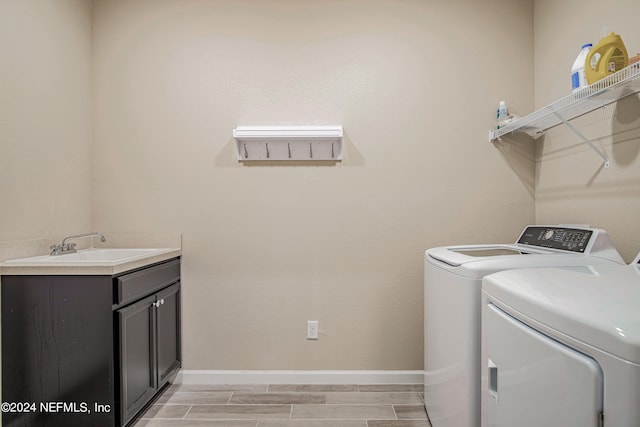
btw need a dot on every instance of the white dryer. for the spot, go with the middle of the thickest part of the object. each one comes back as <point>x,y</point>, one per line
<point>452,289</point>
<point>561,347</point>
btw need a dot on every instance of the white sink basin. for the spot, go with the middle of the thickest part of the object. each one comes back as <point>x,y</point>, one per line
<point>90,256</point>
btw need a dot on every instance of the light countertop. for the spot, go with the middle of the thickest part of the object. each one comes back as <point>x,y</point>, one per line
<point>75,267</point>
<point>29,257</point>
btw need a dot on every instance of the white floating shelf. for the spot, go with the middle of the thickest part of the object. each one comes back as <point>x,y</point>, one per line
<point>608,90</point>
<point>271,143</point>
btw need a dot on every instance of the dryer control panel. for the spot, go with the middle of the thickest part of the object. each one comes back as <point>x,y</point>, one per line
<point>563,238</point>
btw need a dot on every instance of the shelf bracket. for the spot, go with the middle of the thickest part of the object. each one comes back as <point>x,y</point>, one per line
<point>584,139</point>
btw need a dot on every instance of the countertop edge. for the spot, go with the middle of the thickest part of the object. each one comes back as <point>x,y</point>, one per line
<point>87,270</point>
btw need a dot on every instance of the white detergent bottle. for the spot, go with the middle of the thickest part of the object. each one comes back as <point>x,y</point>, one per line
<point>578,78</point>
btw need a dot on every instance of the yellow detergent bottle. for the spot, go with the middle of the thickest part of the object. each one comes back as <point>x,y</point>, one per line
<point>607,57</point>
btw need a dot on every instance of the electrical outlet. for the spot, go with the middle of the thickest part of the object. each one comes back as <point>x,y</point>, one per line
<point>312,329</point>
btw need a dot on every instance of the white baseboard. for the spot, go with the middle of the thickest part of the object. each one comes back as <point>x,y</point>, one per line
<point>299,377</point>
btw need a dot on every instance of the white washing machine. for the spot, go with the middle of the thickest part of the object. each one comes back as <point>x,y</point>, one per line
<point>453,280</point>
<point>561,347</point>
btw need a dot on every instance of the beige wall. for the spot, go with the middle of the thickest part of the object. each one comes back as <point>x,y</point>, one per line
<point>266,248</point>
<point>414,83</point>
<point>45,118</point>
<point>571,184</point>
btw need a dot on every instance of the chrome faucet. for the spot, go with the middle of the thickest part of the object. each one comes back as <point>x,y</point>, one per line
<point>70,248</point>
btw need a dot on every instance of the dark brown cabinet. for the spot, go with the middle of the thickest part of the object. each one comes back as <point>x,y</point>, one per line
<point>88,350</point>
<point>149,352</point>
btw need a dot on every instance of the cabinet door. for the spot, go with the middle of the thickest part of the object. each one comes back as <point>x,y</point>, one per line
<point>168,333</point>
<point>137,356</point>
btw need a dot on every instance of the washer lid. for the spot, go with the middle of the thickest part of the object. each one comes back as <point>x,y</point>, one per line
<point>477,261</point>
<point>458,255</point>
<point>536,239</point>
<point>598,305</point>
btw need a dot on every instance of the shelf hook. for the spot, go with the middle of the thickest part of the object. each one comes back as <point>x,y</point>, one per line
<point>266,146</point>
<point>310,151</point>
<point>289,148</point>
<point>246,154</point>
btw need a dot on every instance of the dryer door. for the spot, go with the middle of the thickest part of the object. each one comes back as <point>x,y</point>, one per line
<point>533,380</point>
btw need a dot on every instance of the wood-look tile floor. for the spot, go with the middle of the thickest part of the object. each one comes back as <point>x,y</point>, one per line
<point>282,405</point>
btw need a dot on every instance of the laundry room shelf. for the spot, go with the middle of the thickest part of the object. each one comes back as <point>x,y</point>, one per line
<point>600,94</point>
<point>294,143</point>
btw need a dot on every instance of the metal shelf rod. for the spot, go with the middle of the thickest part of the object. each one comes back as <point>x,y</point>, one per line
<point>584,139</point>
